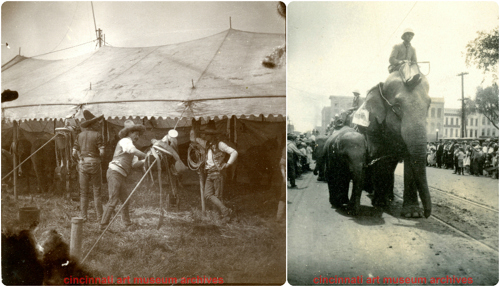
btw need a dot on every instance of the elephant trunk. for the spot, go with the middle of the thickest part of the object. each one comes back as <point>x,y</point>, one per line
<point>416,141</point>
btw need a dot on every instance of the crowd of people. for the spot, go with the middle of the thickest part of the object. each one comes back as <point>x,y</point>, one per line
<point>299,150</point>
<point>465,157</point>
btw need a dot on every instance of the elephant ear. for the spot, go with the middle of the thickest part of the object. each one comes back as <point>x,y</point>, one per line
<point>375,105</point>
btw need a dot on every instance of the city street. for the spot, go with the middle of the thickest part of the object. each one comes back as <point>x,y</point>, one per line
<point>459,240</point>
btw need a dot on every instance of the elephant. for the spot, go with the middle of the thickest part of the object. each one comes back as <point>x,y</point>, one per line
<point>344,159</point>
<point>397,131</point>
<point>318,155</point>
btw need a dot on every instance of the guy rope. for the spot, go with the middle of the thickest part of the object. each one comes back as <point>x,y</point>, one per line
<point>28,157</point>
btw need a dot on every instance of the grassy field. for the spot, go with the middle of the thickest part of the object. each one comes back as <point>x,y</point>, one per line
<point>250,249</point>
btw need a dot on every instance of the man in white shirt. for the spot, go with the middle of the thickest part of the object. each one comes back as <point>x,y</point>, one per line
<point>215,151</point>
<point>125,158</point>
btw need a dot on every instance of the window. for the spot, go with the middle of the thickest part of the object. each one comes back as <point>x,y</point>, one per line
<point>471,123</point>
<point>446,120</point>
<point>456,132</point>
<point>484,120</point>
<point>451,123</point>
<point>476,121</point>
<point>493,132</point>
<point>439,113</point>
<point>482,132</point>
<point>475,131</point>
<point>433,112</point>
<point>488,132</point>
<point>470,133</point>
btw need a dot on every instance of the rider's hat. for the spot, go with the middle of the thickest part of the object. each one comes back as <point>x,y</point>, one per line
<point>90,119</point>
<point>408,30</point>
<point>356,91</point>
<point>130,126</point>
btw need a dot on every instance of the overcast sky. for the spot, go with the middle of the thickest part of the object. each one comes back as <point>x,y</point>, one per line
<point>336,47</point>
<point>42,27</point>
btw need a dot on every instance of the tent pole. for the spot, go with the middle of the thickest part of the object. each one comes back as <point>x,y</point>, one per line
<point>14,149</point>
<point>196,127</point>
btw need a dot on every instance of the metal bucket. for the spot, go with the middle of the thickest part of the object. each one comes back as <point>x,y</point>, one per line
<point>29,214</point>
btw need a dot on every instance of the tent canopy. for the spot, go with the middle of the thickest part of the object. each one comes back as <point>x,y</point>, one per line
<point>217,76</point>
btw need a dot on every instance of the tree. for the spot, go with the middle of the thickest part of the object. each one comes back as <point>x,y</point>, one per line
<point>485,103</point>
<point>482,52</point>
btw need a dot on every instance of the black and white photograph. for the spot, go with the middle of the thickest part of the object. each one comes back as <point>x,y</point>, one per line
<point>143,142</point>
<point>392,143</point>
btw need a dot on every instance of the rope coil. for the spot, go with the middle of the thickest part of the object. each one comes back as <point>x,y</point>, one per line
<point>199,156</point>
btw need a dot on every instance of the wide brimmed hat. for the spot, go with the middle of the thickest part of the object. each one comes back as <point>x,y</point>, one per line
<point>408,30</point>
<point>130,126</point>
<point>90,119</point>
<point>210,128</point>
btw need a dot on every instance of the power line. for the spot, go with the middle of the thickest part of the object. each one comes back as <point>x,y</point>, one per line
<point>388,39</point>
<point>74,13</point>
<point>64,49</point>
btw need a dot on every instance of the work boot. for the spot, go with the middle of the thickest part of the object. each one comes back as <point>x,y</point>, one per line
<point>107,217</point>
<point>281,211</point>
<point>414,81</point>
<point>126,216</point>
<point>84,205</point>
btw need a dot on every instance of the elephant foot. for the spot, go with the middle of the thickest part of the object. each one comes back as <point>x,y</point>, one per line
<point>412,212</point>
<point>353,209</point>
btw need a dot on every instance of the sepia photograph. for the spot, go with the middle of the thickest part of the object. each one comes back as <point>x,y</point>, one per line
<point>143,143</point>
<point>392,143</point>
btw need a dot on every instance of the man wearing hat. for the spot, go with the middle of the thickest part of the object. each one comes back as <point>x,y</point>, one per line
<point>126,157</point>
<point>404,59</point>
<point>88,149</point>
<point>355,100</point>
<point>215,151</point>
<point>293,156</point>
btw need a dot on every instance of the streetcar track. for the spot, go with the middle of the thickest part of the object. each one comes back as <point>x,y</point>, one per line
<point>443,222</point>
<point>481,205</point>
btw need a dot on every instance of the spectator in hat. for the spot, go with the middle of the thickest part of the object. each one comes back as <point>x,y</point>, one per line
<point>292,157</point>
<point>215,151</point>
<point>460,159</point>
<point>403,58</point>
<point>125,158</point>
<point>88,149</point>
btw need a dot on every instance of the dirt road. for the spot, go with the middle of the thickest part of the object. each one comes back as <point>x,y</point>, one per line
<point>459,240</point>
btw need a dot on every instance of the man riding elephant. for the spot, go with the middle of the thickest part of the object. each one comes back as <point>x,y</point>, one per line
<point>403,58</point>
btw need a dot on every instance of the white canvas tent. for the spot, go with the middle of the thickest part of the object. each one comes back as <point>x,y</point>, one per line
<point>218,77</point>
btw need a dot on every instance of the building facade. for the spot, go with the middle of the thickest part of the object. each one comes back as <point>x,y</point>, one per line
<point>435,116</point>
<point>476,125</point>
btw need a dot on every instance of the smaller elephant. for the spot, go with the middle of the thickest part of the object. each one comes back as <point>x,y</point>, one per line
<point>345,159</point>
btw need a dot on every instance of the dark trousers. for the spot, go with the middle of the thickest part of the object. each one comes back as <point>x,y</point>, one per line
<point>291,164</point>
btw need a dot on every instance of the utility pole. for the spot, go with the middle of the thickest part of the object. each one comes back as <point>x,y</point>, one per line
<point>463,105</point>
<point>99,37</point>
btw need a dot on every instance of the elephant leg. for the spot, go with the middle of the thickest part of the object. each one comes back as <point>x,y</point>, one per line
<point>383,183</point>
<point>356,167</point>
<point>411,208</point>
